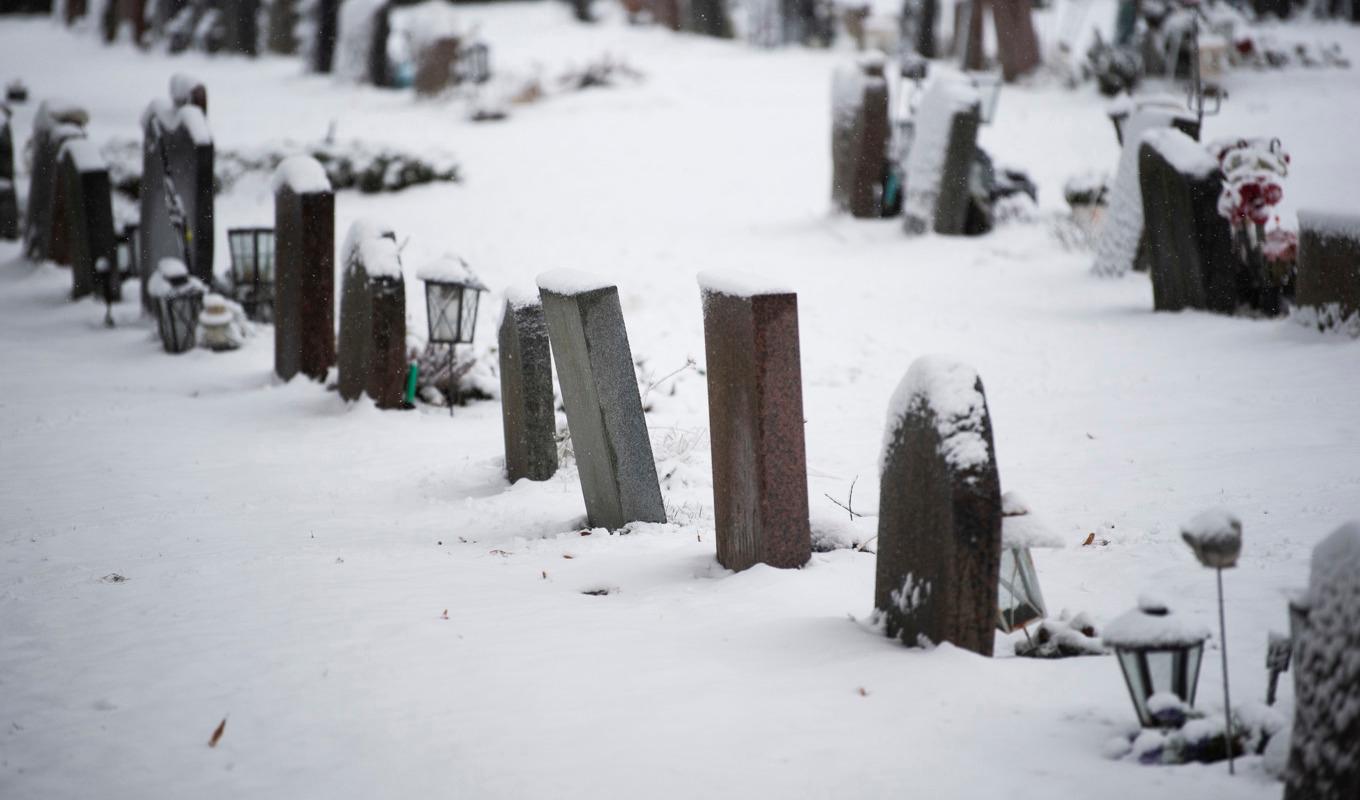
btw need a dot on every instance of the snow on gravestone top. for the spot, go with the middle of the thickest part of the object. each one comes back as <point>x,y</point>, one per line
<point>1022,528</point>
<point>570,282</point>
<point>951,391</point>
<point>1331,223</point>
<point>1186,155</point>
<point>373,245</point>
<point>1152,625</point>
<point>302,174</point>
<point>52,113</point>
<point>522,297</point>
<point>84,155</point>
<point>182,88</point>
<point>946,97</point>
<point>449,268</point>
<point>1215,536</point>
<point>739,284</point>
<point>189,117</point>
<point>355,38</point>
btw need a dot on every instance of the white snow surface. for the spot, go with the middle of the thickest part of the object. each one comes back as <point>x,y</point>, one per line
<point>736,283</point>
<point>1188,156</point>
<point>1137,628</point>
<point>182,87</point>
<point>368,243</point>
<point>570,281</point>
<point>302,174</point>
<point>946,97</point>
<point>948,389</point>
<point>523,296</point>
<point>84,155</point>
<point>1214,526</point>
<point>288,558</point>
<point>1021,527</point>
<point>1345,224</point>
<point>172,117</point>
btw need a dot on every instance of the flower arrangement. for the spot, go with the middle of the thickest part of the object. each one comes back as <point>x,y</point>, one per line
<point>1253,171</point>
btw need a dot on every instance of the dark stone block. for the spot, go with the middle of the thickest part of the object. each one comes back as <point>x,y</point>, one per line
<point>709,18</point>
<point>1324,756</point>
<point>282,20</point>
<point>9,199</point>
<point>177,188</point>
<point>600,392</point>
<point>527,392</point>
<point>326,20</point>
<point>239,26</point>
<point>939,525</point>
<point>435,69</point>
<point>372,344</point>
<point>304,275</point>
<point>1187,244</point>
<point>1329,263</point>
<point>1016,43</point>
<point>89,216</point>
<point>45,235</point>
<point>940,159</point>
<point>859,139</point>
<point>755,413</point>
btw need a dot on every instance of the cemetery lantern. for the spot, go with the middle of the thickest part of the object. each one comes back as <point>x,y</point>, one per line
<point>1159,654</point>
<point>252,270</point>
<point>129,253</point>
<point>1019,599</point>
<point>451,294</point>
<point>178,297</point>
<point>474,63</point>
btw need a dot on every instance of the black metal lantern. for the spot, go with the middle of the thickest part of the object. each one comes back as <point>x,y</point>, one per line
<point>178,298</point>
<point>252,270</point>
<point>474,63</point>
<point>1159,654</point>
<point>128,251</point>
<point>451,300</point>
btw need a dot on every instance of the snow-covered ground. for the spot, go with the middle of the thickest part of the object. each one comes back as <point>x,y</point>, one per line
<point>289,559</point>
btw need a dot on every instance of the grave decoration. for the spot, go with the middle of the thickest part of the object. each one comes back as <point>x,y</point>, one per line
<point>527,412</point>
<point>1216,538</point>
<point>177,298</point>
<point>1016,42</point>
<point>1328,294</point>
<point>252,270</point>
<point>222,324</point>
<point>1253,177</point>
<point>1020,601</point>
<point>1159,653</point>
<point>452,294</point>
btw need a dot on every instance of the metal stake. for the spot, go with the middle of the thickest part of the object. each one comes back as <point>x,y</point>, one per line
<point>1227,702</point>
<point>451,346</point>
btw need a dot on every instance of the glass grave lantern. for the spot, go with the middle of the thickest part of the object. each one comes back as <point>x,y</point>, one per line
<point>252,270</point>
<point>1159,653</point>
<point>451,298</point>
<point>988,85</point>
<point>128,251</point>
<point>474,63</point>
<point>1019,600</point>
<point>178,299</point>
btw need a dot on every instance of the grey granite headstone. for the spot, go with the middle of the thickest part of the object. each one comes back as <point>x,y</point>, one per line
<point>304,269</point>
<point>9,199</point>
<point>45,221</point>
<point>325,29</point>
<point>177,188</point>
<point>282,19</point>
<point>859,137</point>
<point>939,524</point>
<point>599,389</point>
<point>89,219</point>
<point>1329,265</point>
<point>526,390</point>
<point>1188,244</point>
<point>372,342</point>
<point>941,158</point>
<point>1324,756</point>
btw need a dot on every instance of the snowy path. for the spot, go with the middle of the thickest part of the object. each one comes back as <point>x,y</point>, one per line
<point>288,559</point>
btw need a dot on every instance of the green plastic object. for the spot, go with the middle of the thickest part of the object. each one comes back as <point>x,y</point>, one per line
<point>412,375</point>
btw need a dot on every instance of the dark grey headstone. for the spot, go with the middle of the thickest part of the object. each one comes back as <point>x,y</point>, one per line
<point>325,30</point>
<point>941,158</point>
<point>526,391</point>
<point>45,235</point>
<point>1324,757</point>
<point>709,18</point>
<point>240,27</point>
<point>9,199</point>
<point>1329,264</point>
<point>282,19</point>
<point>859,138</point>
<point>177,161</point>
<point>939,524</point>
<point>600,392</point>
<point>1187,243</point>
<point>304,270</point>
<point>372,342</point>
<point>89,220</point>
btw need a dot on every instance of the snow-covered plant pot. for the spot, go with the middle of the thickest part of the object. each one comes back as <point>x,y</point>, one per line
<point>1159,653</point>
<point>1253,171</point>
<point>216,325</point>
<point>178,298</point>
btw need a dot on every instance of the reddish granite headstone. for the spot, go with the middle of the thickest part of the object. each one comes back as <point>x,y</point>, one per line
<point>434,70</point>
<point>372,341</point>
<point>45,221</point>
<point>1016,43</point>
<point>1329,265</point>
<point>755,414</point>
<point>859,137</point>
<point>304,269</point>
<point>939,518</point>
<point>89,219</point>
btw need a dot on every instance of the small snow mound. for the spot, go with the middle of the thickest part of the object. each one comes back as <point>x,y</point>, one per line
<point>172,269</point>
<point>952,392</point>
<point>571,282</point>
<point>1022,528</point>
<point>739,284</point>
<point>1152,625</point>
<point>302,174</point>
<point>52,113</point>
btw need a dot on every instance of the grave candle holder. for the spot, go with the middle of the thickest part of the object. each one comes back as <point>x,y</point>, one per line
<point>252,270</point>
<point>1160,656</point>
<point>178,299</point>
<point>451,298</point>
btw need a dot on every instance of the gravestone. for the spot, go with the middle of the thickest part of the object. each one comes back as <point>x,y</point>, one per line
<point>304,269</point>
<point>600,392</point>
<point>941,158</point>
<point>1329,264</point>
<point>526,390</point>
<point>1188,244</point>
<point>1017,45</point>
<point>1121,235</point>
<point>361,42</point>
<point>177,189</point>
<point>89,219</point>
<point>322,36</point>
<point>666,13</point>
<point>1324,756</point>
<point>372,343</point>
<point>708,18</point>
<point>939,524</point>
<point>435,69</point>
<point>755,415</point>
<point>186,90</point>
<point>9,199</point>
<point>859,137</point>
<point>45,235</point>
<point>282,19</point>
<point>240,28</point>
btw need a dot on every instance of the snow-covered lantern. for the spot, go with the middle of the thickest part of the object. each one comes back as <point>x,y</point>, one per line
<point>474,63</point>
<point>1159,653</point>
<point>128,251</point>
<point>252,270</point>
<point>988,85</point>
<point>215,324</point>
<point>1019,599</point>
<point>178,297</point>
<point>451,293</point>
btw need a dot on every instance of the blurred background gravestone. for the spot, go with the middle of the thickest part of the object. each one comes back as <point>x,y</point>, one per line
<point>939,524</point>
<point>9,198</point>
<point>1329,266</point>
<point>526,389</point>
<point>859,137</point>
<point>89,219</point>
<point>282,19</point>
<point>599,389</point>
<point>304,269</point>
<point>372,341</point>
<point>755,417</point>
<point>941,157</point>
<point>45,235</point>
<point>321,34</point>
<point>177,183</point>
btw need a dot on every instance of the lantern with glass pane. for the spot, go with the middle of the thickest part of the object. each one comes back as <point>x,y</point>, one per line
<point>451,294</point>
<point>1160,654</point>
<point>178,299</point>
<point>1019,599</point>
<point>128,252</point>
<point>252,270</point>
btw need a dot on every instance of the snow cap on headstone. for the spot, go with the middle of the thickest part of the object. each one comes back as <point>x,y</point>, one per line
<point>1152,625</point>
<point>1215,536</point>
<point>302,174</point>
<point>571,282</point>
<point>373,245</point>
<point>951,391</point>
<point>522,297</point>
<point>84,155</point>
<point>739,284</point>
<point>182,88</point>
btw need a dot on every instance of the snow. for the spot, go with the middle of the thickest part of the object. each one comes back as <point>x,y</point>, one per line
<point>571,282</point>
<point>370,243</point>
<point>302,174</point>
<point>948,389</point>
<point>168,270</point>
<point>355,39</point>
<point>1020,527</point>
<point>84,155</point>
<point>52,113</point>
<point>523,297</point>
<point>288,558</point>
<point>171,118</point>
<point>1151,626</point>
<point>1340,224</point>
<point>182,88</point>
<point>948,96</point>
<point>739,284</point>
<point>1217,526</point>
<point>1186,155</point>
<point>449,268</point>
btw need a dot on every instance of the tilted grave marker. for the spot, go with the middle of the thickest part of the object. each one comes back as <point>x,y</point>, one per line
<point>526,389</point>
<point>89,220</point>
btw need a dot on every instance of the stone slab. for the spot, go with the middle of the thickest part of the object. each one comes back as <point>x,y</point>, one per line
<point>527,413</point>
<point>304,283</point>
<point>1329,263</point>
